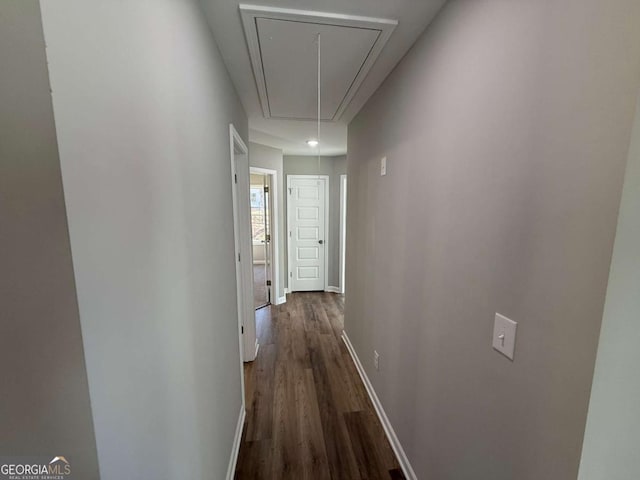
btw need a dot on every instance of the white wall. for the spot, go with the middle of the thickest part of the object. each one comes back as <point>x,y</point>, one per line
<point>258,253</point>
<point>142,104</point>
<point>612,437</point>
<point>506,129</point>
<point>44,399</point>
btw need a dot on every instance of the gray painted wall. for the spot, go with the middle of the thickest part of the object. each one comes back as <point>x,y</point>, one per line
<point>271,158</point>
<point>143,103</point>
<point>44,405</point>
<point>610,450</point>
<point>334,167</point>
<point>506,129</point>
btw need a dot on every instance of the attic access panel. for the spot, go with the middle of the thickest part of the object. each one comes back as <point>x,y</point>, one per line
<point>290,65</point>
<point>282,47</point>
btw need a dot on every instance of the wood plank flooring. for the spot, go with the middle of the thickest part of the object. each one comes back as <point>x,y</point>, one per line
<point>308,413</point>
<point>259,286</point>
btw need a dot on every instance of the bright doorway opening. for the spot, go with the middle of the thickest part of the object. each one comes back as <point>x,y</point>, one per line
<point>260,199</point>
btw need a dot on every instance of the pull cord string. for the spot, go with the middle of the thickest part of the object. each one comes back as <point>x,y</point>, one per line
<point>318,103</point>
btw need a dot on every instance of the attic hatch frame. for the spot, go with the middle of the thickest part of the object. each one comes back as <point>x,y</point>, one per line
<point>250,14</point>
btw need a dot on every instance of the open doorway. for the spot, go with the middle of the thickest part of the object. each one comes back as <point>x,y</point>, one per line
<point>266,237</point>
<point>260,194</point>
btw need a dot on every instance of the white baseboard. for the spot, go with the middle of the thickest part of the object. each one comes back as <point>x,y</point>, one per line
<point>281,300</point>
<point>233,460</point>
<point>257,347</point>
<point>287,291</point>
<point>332,289</point>
<point>386,424</point>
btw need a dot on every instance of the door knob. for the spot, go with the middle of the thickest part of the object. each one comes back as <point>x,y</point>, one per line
<point>320,242</point>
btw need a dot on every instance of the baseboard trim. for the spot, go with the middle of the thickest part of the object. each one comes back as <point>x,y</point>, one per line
<point>233,460</point>
<point>281,300</point>
<point>386,424</point>
<point>332,289</point>
<point>257,347</point>
<point>287,291</point>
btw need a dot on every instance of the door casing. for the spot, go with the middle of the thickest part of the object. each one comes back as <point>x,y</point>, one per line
<point>343,230</point>
<point>239,155</point>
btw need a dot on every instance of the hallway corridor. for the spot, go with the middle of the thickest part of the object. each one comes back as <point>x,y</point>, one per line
<point>308,413</point>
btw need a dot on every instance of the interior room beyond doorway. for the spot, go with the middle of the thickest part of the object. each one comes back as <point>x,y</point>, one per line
<point>260,191</point>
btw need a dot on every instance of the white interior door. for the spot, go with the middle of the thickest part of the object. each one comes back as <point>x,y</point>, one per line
<point>242,238</point>
<point>307,211</point>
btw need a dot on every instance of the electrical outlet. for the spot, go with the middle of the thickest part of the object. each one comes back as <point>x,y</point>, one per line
<point>376,360</point>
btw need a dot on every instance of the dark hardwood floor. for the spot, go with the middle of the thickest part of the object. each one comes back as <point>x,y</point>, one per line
<point>259,286</point>
<point>308,413</point>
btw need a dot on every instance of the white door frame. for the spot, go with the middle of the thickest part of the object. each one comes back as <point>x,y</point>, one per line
<point>327,233</point>
<point>242,241</point>
<point>343,229</point>
<point>275,234</point>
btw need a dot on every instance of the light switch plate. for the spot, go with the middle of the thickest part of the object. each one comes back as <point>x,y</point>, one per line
<point>383,166</point>
<point>504,335</point>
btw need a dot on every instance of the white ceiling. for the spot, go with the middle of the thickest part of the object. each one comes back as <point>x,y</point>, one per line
<point>289,62</point>
<point>291,135</point>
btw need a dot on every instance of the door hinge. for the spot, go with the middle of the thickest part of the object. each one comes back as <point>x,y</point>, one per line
<point>268,283</point>
<point>289,233</point>
<point>266,189</point>
<point>242,330</point>
<point>235,178</point>
<point>267,237</point>
<point>238,257</point>
<point>291,274</point>
<point>290,191</point>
